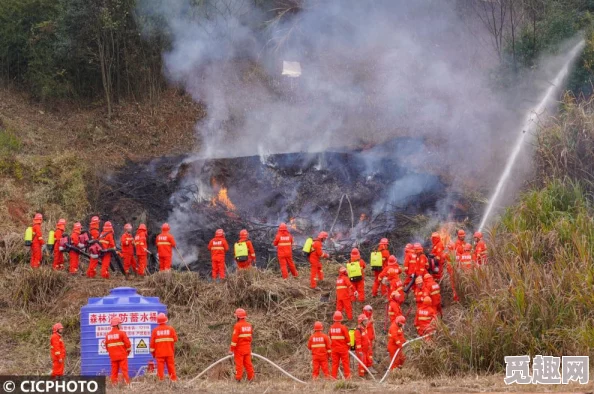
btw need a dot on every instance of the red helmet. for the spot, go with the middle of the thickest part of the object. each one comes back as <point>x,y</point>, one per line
<point>57,326</point>
<point>461,233</point>
<point>418,280</point>
<point>322,235</point>
<point>401,320</point>
<point>127,226</point>
<point>318,326</point>
<point>383,241</point>
<point>362,318</point>
<point>418,247</point>
<point>240,313</point>
<point>115,321</point>
<point>342,270</point>
<point>435,235</point>
<point>392,260</point>
<point>165,227</point>
<point>142,227</point>
<point>368,308</point>
<point>396,296</point>
<point>355,254</point>
<point>427,276</point>
<point>95,219</point>
<point>427,300</point>
<point>61,223</point>
<point>468,247</point>
<point>408,247</point>
<point>337,316</point>
<point>162,318</point>
<point>282,227</point>
<point>107,226</point>
<point>38,218</point>
<point>77,226</point>
<point>478,235</point>
<point>219,233</point>
<point>243,234</point>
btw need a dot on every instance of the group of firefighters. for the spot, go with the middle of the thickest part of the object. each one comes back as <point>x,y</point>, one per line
<point>423,273</point>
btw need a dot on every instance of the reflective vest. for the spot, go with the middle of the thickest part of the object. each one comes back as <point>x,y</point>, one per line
<point>29,236</point>
<point>354,271</point>
<point>241,251</point>
<point>376,261</point>
<point>307,247</point>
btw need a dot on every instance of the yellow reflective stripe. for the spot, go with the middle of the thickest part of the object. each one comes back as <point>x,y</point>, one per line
<point>163,243</point>
<point>217,248</point>
<point>164,340</point>
<point>337,337</point>
<point>435,292</point>
<point>358,346</point>
<point>424,318</point>
<point>341,287</point>
<point>397,342</point>
<point>245,335</point>
<point>56,353</point>
<point>320,345</point>
<point>284,244</point>
<point>115,344</point>
<point>152,349</point>
<point>233,344</point>
<point>390,313</point>
<point>103,241</point>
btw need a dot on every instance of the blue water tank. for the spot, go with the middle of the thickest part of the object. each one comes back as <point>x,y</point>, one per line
<point>138,315</point>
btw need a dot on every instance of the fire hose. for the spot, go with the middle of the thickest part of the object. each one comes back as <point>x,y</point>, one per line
<point>362,364</point>
<point>398,351</point>
<point>253,354</point>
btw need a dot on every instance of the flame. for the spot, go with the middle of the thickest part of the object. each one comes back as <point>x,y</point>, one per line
<point>222,197</point>
<point>445,231</point>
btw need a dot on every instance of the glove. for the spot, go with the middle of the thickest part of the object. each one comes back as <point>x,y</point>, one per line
<point>60,361</point>
<point>356,294</point>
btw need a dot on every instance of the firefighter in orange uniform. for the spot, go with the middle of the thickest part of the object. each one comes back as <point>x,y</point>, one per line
<point>344,289</point>
<point>391,277</point>
<point>320,347</point>
<point>396,340</point>
<point>432,288</point>
<point>460,242</point>
<point>284,251</point>
<point>480,249</point>
<point>141,246</point>
<point>74,252</point>
<point>165,244</point>
<point>37,241</point>
<point>356,271</point>
<point>57,351</point>
<point>383,249</point>
<point>108,246</point>
<point>94,234</point>
<point>409,254</point>
<point>218,247</point>
<point>395,306</point>
<point>241,346</point>
<point>314,260</point>
<point>466,263</point>
<point>420,290</point>
<point>368,312</point>
<point>362,344</point>
<point>127,244</point>
<point>118,347</point>
<point>244,256</point>
<point>162,347</point>
<point>425,317</point>
<point>339,335</point>
<point>59,254</point>
<point>437,251</point>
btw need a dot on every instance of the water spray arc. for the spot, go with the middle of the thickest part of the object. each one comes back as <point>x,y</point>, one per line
<point>529,125</point>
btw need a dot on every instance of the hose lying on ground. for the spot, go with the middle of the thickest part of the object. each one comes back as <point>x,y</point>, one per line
<point>398,351</point>
<point>362,363</point>
<point>253,354</point>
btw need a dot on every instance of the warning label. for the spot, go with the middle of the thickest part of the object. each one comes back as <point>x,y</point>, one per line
<point>133,330</point>
<point>102,350</point>
<point>141,345</point>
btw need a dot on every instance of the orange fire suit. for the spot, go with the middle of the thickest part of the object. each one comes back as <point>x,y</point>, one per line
<point>459,246</point>
<point>165,244</point>
<point>141,250</point>
<point>362,347</point>
<point>377,282</point>
<point>392,275</point>
<point>94,234</point>
<point>36,245</point>
<point>107,242</point>
<point>432,288</point>
<point>162,348</point>
<point>218,247</point>
<point>339,335</point>
<point>74,255</point>
<point>344,289</point>
<point>251,255</point>
<point>480,253</point>
<point>424,319</point>
<point>370,333</point>
<point>320,346</point>
<point>395,341</point>
<point>466,263</point>
<point>58,255</point>
<point>58,354</point>
<point>359,285</point>
<point>127,244</point>
<point>394,310</point>
<point>438,252</point>
<point>420,294</point>
<point>316,266</point>
<point>284,251</point>
<point>241,346</point>
<point>119,347</point>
